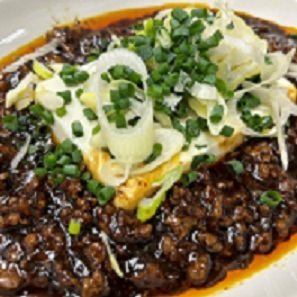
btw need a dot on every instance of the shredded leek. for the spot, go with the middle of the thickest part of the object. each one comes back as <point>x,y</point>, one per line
<point>41,70</point>
<point>148,207</point>
<point>113,261</point>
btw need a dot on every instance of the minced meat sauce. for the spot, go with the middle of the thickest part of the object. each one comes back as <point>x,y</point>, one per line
<point>199,234</point>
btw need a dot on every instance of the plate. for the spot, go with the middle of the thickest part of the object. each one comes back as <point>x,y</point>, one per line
<point>23,20</point>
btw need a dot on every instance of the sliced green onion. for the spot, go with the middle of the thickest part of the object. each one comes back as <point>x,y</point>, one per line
<point>236,166</point>
<point>61,112</point>
<point>179,14</point>
<point>64,160</point>
<point>78,93</point>
<point>217,114</point>
<point>271,198</point>
<point>66,96</point>
<point>41,70</point>
<point>96,130</point>
<point>40,172</point>
<point>157,151</point>
<point>189,178</point>
<point>202,159</point>
<point>86,176</point>
<point>90,114</point>
<point>248,102</point>
<point>67,146</point>
<point>105,194</point>
<point>10,122</point>
<point>77,156</point>
<point>50,161</point>
<point>77,129</point>
<point>74,227</point>
<point>71,170</point>
<point>227,131</point>
<point>94,187</point>
<point>267,60</point>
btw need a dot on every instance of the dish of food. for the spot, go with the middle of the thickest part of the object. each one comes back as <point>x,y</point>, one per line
<point>149,156</point>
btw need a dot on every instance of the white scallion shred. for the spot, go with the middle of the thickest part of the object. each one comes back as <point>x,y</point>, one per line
<point>21,153</point>
<point>112,258</point>
<point>41,51</point>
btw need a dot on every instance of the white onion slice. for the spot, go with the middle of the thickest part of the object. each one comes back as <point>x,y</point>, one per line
<point>270,73</point>
<point>134,144</point>
<point>113,173</point>
<point>23,91</point>
<point>172,142</point>
<point>204,91</point>
<point>282,107</point>
<point>46,93</point>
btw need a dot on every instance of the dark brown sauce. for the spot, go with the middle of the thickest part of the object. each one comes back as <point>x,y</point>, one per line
<point>260,261</point>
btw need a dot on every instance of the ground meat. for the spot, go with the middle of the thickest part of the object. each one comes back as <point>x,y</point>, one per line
<point>200,233</point>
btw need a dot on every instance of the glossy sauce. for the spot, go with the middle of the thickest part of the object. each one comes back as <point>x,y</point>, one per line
<point>94,23</point>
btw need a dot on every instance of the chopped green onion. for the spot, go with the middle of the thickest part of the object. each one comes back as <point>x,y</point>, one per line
<point>192,129</point>
<point>86,176</point>
<point>179,14</point>
<point>197,27</point>
<point>212,41</point>
<point>105,194</point>
<point>94,187</point>
<point>61,112</point>
<point>66,96</point>
<point>96,130</point>
<point>59,179</point>
<point>50,161</point>
<point>74,227</point>
<point>105,76</point>
<point>271,198</point>
<point>126,90</point>
<point>48,117</point>
<point>71,170</point>
<point>81,76</point>
<point>77,129</point>
<point>145,52</point>
<point>267,60</point>
<point>202,159</point>
<point>223,89</point>
<point>157,151</point>
<point>40,172</point>
<point>189,178</point>
<point>67,146</point>
<point>77,156</point>
<point>217,114</point>
<point>199,13</point>
<point>39,111</point>
<point>78,93</point>
<point>90,114</point>
<point>230,26</point>
<point>72,76</point>
<point>227,131</point>
<point>10,122</point>
<point>64,160</point>
<point>257,122</point>
<point>248,102</point>
<point>236,166</point>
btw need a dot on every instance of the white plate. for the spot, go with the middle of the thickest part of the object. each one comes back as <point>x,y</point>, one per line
<point>23,20</point>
